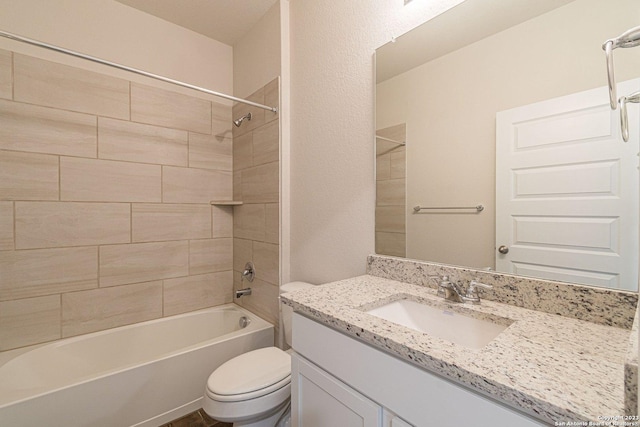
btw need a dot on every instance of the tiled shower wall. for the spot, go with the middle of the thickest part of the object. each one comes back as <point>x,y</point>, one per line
<point>256,182</point>
<point>105,187</point>
<point>391,195</point>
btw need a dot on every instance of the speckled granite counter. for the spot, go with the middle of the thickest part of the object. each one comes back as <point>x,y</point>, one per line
<point>558,368</point>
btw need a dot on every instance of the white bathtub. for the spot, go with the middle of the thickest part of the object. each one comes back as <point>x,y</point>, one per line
<point>144,374</point>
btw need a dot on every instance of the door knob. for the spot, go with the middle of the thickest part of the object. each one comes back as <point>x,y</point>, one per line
<point>503,249</point>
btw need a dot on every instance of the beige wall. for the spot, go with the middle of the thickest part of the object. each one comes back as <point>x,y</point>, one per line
<point>256,56</point>
<point>450,105</point>
<point>115,32</point>
<point>332,128</point>
<point>105,198</point>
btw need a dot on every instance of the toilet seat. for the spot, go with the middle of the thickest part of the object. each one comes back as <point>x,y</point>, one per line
<point>250,375</point>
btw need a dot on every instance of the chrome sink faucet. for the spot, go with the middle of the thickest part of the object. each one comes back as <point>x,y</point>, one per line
<point>454,293</point>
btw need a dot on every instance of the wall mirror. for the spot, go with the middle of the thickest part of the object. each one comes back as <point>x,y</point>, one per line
<point>513,159</point>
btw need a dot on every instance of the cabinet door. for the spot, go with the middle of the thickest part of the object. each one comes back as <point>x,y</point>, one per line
<point>320,400</point>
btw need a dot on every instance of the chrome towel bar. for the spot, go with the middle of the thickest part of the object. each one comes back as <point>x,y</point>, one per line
<point>630,38</point>
<point>478,208</point>
<point>391,140</point>
<point>624,118</point>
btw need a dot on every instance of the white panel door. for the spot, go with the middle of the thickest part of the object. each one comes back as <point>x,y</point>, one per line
<point>567,190</point>
<point>320,400</point>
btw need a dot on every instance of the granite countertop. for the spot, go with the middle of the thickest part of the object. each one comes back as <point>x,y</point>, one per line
<point>557,368</point>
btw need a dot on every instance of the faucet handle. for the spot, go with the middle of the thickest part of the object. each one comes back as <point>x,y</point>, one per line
<point>442,285</point>
<point>474,284</point>
<point>472,293</point>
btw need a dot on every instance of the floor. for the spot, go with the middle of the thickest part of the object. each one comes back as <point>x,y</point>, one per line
<point>198,418</point>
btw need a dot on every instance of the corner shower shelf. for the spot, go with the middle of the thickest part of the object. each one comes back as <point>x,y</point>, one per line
<point>226,202</point>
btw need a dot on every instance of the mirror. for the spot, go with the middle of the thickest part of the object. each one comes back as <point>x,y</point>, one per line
<point>503,105</point>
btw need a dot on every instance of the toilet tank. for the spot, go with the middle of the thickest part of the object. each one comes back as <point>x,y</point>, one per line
<point>287,311</point>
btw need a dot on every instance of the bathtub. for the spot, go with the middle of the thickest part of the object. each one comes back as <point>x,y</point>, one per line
<point>141,375</point>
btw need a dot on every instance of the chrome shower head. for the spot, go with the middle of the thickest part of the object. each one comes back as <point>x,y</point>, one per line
<point>239,121</point>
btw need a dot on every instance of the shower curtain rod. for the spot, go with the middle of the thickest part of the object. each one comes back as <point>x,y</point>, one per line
<point>133,70</point>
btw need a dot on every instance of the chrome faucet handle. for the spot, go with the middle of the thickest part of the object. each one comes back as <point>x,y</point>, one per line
<point>449,290</point>
<point>443,284</point>
<point>472,295</point>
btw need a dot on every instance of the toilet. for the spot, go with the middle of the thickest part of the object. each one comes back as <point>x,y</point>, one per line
<point>254,389</point>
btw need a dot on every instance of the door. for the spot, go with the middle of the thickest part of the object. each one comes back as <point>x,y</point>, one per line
<point>567,190</point>
<point>320,400</point>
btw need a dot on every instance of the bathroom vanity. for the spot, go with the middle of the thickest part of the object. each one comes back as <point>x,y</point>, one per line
<point>351,367</point>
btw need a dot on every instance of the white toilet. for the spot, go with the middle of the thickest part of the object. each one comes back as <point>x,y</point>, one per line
<point>254,389</point>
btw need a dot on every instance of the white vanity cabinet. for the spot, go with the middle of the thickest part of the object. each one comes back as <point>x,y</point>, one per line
<point>339,381</point>
<point>322,400</point>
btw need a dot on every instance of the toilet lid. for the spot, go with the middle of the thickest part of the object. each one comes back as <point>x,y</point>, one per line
<point>250,372</point>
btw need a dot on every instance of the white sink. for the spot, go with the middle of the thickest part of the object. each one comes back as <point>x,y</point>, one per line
<point>442,323</point>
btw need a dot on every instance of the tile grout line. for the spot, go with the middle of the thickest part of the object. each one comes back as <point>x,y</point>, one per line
<point>98,272</point>
<point>15,218</point>
<point>13,79</point>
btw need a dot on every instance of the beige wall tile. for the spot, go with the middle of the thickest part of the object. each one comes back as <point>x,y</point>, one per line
<point>237,185</point>
<point>170,109</point>
<point>263,299</point>
<point>142,262</point>
<point>222,221</point>
<point>242,253</point>
<point>272,223</point>
<point>197,292</point>
<point>29,321</point>
<point>25,127</point>
<point>27,176</point>
<point>272,99</point>
<point>158,222</point>
<point>187,185</point>
<point>210,255</point>
<point>98,309</point>
<point>242,151</point>
<point>257,114</point>
<point>90,180</point>
<point>59,224</point>
<point>266,143</point>
<point>383,167</point>
<point>266,259</point>
<point>393,244</point>
<point>210,152</point>
<point>41,82</point>
<point>398,164</point>
<point>135,142</point>
<point>39,272</point>
<point>221,121</point>
<point>261,184</point>
<point>6,84</point>
<point>390,192</point>
<point>396,132</point>
<point>6,226</point>
<point>391,219</point>
<point>249,222</point>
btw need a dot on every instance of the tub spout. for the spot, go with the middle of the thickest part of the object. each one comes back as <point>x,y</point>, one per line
<point>243,292</point>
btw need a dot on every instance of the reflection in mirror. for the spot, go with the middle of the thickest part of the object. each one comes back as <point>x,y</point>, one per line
<point>513,114</point>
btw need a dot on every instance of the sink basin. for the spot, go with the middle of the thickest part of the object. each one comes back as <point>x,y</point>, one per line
<point>442,323</point>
